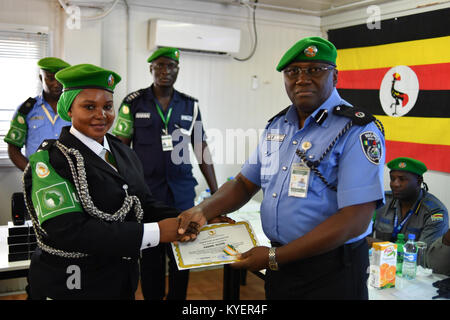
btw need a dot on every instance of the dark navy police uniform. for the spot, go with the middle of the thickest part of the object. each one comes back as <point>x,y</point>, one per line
<point>167,173</point>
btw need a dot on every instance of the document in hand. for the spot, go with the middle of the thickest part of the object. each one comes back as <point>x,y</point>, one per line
<point>215,244</point>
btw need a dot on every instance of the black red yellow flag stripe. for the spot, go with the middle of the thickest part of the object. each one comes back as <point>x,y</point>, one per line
<point>401,74</point>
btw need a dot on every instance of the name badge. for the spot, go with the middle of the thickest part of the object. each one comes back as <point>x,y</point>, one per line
<point>142,115</point>
<point>37,118</point>
<point>186,117</point>
<point>166,141</point>
<point>299,180</point>
<point>275,137</point>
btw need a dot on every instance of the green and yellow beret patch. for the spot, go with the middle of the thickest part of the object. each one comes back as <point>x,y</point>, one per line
<point>407,164</point>
<point>309,49</point>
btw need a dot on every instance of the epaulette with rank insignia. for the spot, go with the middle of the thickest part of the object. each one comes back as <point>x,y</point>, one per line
<point>130,97</point>
<point>281,113</point>
<point>188,96</point>
<point>26,107</point>
<point>358,116</point>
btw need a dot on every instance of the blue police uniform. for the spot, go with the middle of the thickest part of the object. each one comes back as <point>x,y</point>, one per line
<point>346,168</point>
<point>41,123</point>
<point>167,173</point>
<point>352,167</point>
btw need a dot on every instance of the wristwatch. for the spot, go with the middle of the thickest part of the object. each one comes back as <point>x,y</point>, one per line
<point>273,265</point>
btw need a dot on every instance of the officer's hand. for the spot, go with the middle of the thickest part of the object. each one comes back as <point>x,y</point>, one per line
<point>190,222</point>
<point>220,219</point>
<point>255,259</point>
<point>168,230</point>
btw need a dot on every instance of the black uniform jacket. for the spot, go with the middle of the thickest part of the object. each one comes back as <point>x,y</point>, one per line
<point>111,270</point>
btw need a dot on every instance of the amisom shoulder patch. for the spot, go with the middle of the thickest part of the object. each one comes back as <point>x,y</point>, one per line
<point>51,194</point>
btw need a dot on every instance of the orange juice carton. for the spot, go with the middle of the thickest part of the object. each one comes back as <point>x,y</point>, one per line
<point>383,265</point>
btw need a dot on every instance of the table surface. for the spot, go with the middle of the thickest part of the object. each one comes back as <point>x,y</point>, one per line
<point>420,288</point>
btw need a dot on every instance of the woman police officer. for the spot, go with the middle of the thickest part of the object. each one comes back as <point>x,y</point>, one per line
<point>90,207</point>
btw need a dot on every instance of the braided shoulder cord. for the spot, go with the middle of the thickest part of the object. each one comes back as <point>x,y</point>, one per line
<point>314,164</point>
<point>81,185</point>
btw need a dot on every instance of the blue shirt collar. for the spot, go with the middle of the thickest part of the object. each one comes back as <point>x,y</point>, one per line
<point>333,100</point>
<point>41,100</point>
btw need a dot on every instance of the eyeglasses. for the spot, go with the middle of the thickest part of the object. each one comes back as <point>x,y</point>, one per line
<point>161,66</point>
<point>294,72</point>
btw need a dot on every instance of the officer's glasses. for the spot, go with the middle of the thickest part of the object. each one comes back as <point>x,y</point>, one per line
<point>165,66</point>
<point>294,72</point>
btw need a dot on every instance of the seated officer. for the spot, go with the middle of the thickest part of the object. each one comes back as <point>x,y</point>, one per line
<point>410,208</point>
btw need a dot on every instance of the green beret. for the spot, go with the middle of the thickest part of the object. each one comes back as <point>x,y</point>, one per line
<point>82,76</point>
<point>407,164</point>
<point>52,64</point>
<point>309,49</point>
<point>172,53</point>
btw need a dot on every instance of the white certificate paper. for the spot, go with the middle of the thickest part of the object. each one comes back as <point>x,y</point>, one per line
<point>215,244</point>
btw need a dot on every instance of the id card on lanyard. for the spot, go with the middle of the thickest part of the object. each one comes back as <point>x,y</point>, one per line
<point>166,138</point>
<point>299,180</point>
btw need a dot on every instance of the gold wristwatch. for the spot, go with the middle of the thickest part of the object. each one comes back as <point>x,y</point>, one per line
<point>273,265</point>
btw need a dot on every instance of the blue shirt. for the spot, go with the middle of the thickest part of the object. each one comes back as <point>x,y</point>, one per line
<point>43,123</point>
<point>347,166</point>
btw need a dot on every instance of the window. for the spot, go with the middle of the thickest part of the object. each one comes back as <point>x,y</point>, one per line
<point>19,79</point>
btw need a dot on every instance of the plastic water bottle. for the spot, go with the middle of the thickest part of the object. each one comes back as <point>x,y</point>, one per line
<point>410,258</point>
<point>206,194</point>
<point>400,243</point>
<point>203,195</point>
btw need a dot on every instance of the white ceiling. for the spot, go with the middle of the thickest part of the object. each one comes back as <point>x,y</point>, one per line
<point>311,7</point>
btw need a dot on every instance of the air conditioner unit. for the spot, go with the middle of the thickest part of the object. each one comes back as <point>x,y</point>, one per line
<point>193,37</point>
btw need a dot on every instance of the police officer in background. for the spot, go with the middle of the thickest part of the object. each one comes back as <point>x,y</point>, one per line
<point>320,166</point>
<point>37,119</point>
<point>161,122</point>
<point>409,207</point>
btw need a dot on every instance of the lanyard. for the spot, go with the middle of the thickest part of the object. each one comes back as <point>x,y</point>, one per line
<point>398,227</point>
<point>165,120</point>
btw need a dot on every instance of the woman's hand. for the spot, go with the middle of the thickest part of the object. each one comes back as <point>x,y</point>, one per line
<point>168,230</point>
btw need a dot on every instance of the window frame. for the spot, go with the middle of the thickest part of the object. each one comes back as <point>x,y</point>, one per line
<point>22,31</point>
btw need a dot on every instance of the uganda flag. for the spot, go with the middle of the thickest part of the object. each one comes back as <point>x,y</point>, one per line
<point>401,74</point>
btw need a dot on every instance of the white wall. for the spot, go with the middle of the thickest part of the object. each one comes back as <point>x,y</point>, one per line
<point>221,84</point>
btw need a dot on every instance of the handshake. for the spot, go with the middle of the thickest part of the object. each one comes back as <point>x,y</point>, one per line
<point>186,226</point>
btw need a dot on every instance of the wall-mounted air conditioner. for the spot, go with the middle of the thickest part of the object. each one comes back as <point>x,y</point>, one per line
<point>193,37</point>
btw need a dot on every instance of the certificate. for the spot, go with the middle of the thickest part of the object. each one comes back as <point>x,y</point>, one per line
<point>215,244</point>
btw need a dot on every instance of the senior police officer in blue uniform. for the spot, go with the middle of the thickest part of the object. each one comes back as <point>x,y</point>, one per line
<point>37,119</point>
<point>320,166</point>
<point>161,122</point>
